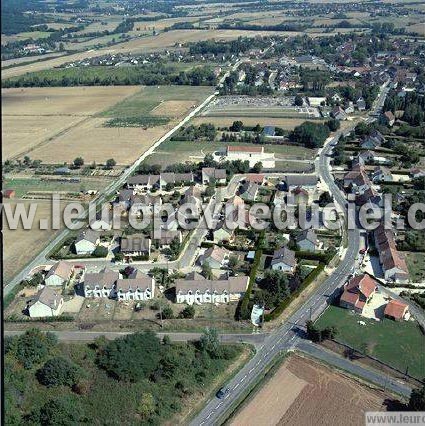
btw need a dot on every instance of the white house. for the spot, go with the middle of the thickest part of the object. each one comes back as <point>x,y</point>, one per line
<point>195,289</point>
<point>47,303</point>
<point>284,260</point>
<point>59,274</point>
<point>101,284</point>
<point>87,241</point>
<point>138,286</point>
<point>254,154</point>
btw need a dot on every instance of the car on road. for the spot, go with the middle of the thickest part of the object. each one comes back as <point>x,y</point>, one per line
<point>222,393</point>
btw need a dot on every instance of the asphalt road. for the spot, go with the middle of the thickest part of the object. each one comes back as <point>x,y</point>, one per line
<point>291,332</point>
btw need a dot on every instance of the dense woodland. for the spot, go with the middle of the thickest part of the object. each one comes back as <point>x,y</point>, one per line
<point>148,75</point>
<point>137,379</point>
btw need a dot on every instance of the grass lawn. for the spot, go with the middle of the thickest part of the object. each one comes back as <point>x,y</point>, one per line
<point>399,344</point>
<point>416,265</point>
<point>24,185</point>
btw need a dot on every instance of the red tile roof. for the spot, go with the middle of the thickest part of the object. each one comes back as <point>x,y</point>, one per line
<point>395,309</point>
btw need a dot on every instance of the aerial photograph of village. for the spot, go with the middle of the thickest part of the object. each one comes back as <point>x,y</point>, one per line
<point>213,212</point>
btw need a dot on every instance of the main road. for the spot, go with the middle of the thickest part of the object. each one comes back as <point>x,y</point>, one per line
<point>290,333</point>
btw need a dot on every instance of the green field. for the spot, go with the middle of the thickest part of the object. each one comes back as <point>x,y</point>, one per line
<point>399,344</point>
<point>138,110</point>
<point>150,97</point>
<point>24,185</point>
<point>416,265</point>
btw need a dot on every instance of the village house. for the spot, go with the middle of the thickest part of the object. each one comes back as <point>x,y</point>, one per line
<point>338,113</point>
<point>371,157</point>
<point>143,182</point>
<point>417,173</point>
<point>357,292</point>
<point>290,182</point>
<point>370,142</point>
<point>222,234</point>
<point>299,196</point>
<point>167,237</point>
<point>135,245</point>
<point>175,179</point>
<point>59,274</point>
<point>382,174</point>
<point>101,284</point>
<point>87,241</point>
<point>388,118</point>
<point>138,286</point>
<point>284,260</point>
<point>249,191</point>
<point>46,303</point>
<point>253,155</point>
<point>393,264</point>
<point>361,104</point>
<point>195,289</point>
<point>357,181</point>
<point>307,240</point>
<point>212,174</point>
<point>216,257</point>
<point>397,310</point>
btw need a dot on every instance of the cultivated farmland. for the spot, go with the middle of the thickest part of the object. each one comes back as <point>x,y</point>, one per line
<point>302,390</point>
<point>56,125</point>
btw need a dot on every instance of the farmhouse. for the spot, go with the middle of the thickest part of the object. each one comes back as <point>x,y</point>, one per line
<point>357,292</point>
<point>212,174</point>
<point>254,154</point>
<point>87,241</point>
<point>195,289</point>
<point>143,182</point>
<point>47,303</point>
<point>59,274</point>
<point>138,286</point>
<point>284,260</point>
<point>397,310</point>
<point>393,264</point>
<point>101,284</point>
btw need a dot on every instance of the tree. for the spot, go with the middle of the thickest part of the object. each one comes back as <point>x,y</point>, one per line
<point>146,405</point>
<point>62,411</point>
<point>333,124</point>
<point>417,399</point>
<point>167,312</point>
<point>78,162</point>
<point>187,312</point>
<point>209,343</point>
<point>313,332</point>
<point>110,163</point>
<point>258,167</point>
<point>310,134</point>
<point>133,357</point>
<point>325,198</point>
<point>100,251</point>
<point>33,347</point>
<point>58,371</point>
<point>206,270</point>
<point>237,126</point>
<point>276,284</point>
<point>233,262</point>
<point>298,100</point>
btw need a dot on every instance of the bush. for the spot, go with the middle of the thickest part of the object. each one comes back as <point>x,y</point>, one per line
<point>187,312</point>
<point>100,251</point>
<point>167,313</point>
<point>58,371</point>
